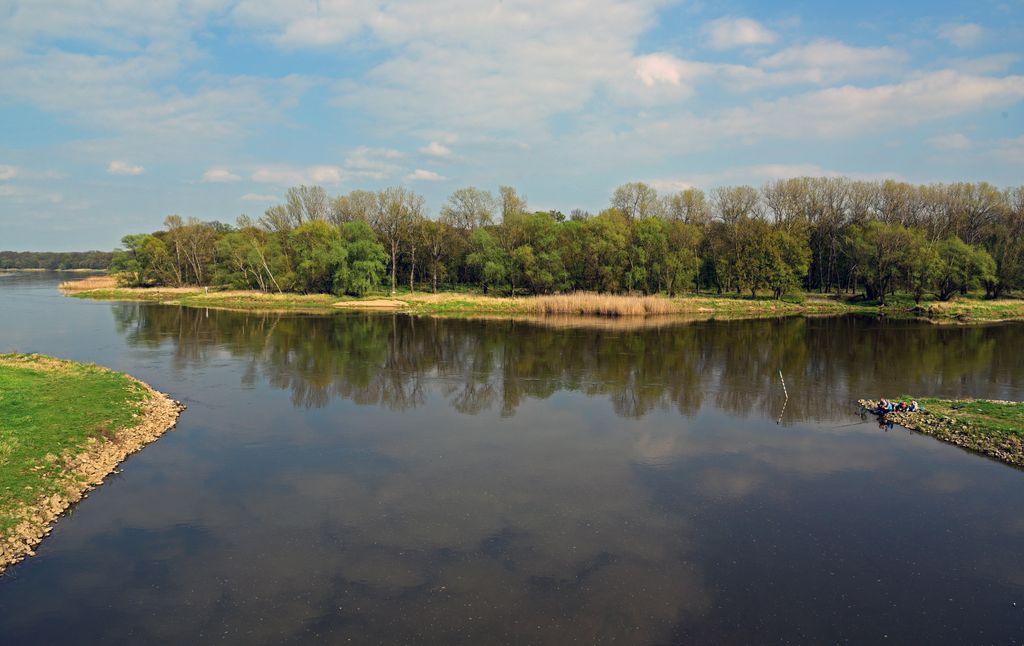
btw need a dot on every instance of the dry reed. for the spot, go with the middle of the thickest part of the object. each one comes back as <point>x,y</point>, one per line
<point>86,284</point>
<point>591,304</point>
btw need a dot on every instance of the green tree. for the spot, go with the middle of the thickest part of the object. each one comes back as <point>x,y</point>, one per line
<point>134,264</point>
<point>790,262</point>
<point>367,260</point>
<point>922,266</point>
<point>648,253</point>
<point>682,262</point>
<point>488,259</point>
<point>960,267</point>
<point>879,252</point>
<point>604,240</point>
<point>540,261</point>
<point>321,258</point>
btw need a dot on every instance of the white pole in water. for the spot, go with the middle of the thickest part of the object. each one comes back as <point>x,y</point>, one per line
<point>786,401</point>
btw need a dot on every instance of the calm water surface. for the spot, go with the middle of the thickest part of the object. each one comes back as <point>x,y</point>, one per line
<point>386,479</point>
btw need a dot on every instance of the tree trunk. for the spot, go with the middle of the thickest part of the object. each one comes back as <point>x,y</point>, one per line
<point>412,270</point>
<point>394,265</point>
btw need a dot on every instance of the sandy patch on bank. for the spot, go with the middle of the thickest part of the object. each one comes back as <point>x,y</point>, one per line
<point>86,470</point>
<point>373,303</point>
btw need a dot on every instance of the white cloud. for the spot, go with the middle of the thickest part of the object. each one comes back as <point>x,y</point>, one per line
<point>118,167</point>
<point>28,195</point>
<point>954,141</point>
<point>288,176</point>
<point>962,34</point>
<point>1011,150</point>
<point>10,172</point>
<point>258,197</point>
<point>728,32</point>
<point>421,175</point>
<point>462,65</point>
<point>144,98</point>
<point>325,174</point>
<point>851,110</point>
<point>826,60</point>
<point>759,174</point>
<point>665,185</point>
<point>993,64</point>
<point>372,163</point>
<point>436,149</point>
<point>842,112</point>
<point>659,68</point>
<point>219,176</point>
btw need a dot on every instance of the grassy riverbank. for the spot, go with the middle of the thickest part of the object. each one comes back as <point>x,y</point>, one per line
<point>994,428</point>
<point>969,309</point>
<point>63,427</point>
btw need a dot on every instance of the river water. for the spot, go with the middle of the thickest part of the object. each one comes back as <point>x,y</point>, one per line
<point>388,479</point>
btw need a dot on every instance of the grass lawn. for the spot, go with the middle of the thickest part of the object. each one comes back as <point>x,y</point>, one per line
<point>49,409</point>
<point>981,415</point>
<point>995,428</point>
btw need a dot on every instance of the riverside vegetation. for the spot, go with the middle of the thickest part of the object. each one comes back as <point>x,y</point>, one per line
<point>968,309</point>
<point>864,242</point>
<point>66,425</point>
<point>994,428</point>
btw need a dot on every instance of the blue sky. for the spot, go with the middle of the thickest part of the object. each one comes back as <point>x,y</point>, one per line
<point>117,113</point>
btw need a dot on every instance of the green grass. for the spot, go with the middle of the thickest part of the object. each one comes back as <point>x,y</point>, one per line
<point>993,428</point>
<point>48,411</point>
<point>980,415</point>
<point>971,308</point>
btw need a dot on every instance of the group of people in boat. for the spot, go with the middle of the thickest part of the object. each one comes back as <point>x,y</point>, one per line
<point>886,406</point>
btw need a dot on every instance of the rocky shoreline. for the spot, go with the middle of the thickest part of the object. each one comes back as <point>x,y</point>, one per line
<point>85,472</point>
<point>1005,447</point>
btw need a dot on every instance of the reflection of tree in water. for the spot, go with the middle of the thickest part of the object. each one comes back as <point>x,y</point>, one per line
<point>396,361</point>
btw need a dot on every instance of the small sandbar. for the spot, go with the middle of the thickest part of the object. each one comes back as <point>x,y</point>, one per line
<point>373,304</point>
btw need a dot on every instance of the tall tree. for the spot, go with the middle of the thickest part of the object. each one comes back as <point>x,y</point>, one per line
<point>306,204</point>
<point>357,205</point>
<point>511,202</point>
<point>688,205</point>
<point>468,208</point>
<point>396,210</point>
<point>734,202</point>
<point>636,200</point>
<point>436,238</point>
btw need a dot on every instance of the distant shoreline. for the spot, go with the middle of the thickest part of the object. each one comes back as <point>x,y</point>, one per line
<point>37,269</point>
<point>466,304</point>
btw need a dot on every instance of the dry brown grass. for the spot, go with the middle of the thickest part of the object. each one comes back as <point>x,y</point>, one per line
<point>86,284</point>
<point>591,304</point>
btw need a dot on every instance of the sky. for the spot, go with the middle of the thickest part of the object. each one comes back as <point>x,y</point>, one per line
<point>114,114</point>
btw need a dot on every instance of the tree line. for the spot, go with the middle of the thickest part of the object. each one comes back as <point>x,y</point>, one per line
<point>55,260</point>
<point>824,234</point>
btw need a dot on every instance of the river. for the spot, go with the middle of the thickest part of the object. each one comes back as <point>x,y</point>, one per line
<point>379,478</point>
